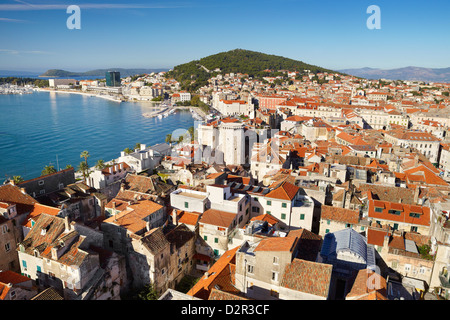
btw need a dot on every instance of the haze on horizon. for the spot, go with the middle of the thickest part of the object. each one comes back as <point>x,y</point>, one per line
<point>163,34</point>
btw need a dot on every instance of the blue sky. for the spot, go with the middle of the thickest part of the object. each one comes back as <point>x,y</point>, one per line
<point>162,34</point>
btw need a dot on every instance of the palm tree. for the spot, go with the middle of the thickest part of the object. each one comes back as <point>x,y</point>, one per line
<point>84,169</point>
<point>127,150</point>
<point>100,165</point>
<point>17,179</point>
<point>85,154</point>
<point>137,146</point>
<point>48,170</point>
<point>180,139</point>
<point>169,137</point>
<point>191,132</point>
<point>69,166</point>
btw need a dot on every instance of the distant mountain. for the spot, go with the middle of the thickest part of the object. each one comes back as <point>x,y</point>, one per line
<point>97,72</point>
<point>11,73</point>
<point>407,73</point>
<point>195,74</point>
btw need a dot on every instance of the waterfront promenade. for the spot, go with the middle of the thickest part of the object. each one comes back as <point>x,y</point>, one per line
<point>102,96</point>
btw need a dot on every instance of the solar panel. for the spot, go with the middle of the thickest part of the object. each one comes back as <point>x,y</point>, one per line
<point>265,191</point>
<point>239,185</point>
<point>247,187</point>
<point>257,189</point>
<point>232,184</point>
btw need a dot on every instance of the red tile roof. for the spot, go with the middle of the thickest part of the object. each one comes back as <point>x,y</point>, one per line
<point>285,191</point>
<point>308,277</point>
<point>404,211</point>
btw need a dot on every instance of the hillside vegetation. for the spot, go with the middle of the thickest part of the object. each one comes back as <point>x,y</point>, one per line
<point>193,75</point>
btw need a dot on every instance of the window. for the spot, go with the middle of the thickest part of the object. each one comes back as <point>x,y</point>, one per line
<point>38,268</point>
<point>284,205</point>
<point>186,204</point>
<point>275,260</point>
<point>274,276</point>
<point>41,182</point>
<point>394,264</point>
<point>302,216</point>
<point>269,203</point>
<point>250,268</point>
<point>205,238</point>
<point>327,230</point>
<point>4,228</point>
<point>24,264</point>
<point>396,212</point>
<point>7,247</point>
<point>216,240</point>
<point>268,212</point>
<point>283,216</point>
<point>414,215</point>
<point>378,209</point>
<point>328,221</point>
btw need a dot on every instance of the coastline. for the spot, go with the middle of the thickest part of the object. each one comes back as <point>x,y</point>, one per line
<point>168,110</point>
<point>110,98</point>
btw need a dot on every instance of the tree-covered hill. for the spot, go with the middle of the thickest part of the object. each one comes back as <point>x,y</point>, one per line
<point>193,74</point>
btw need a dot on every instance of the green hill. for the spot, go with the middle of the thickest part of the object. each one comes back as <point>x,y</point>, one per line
<point>193,75</point>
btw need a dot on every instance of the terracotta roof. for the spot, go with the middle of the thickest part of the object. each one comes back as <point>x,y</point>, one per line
<point>277,244</point>
<point>285,191</point>
<point>13,194</point>
<point>308,277</point>
<point>37,211</point>
<point>217,218</point>
<point>222,295</point>
<point>401,214</point>
<point>189,218</point>
<point>132,217</point>
<point>339,214</point>
<point>48,294</point>
<point>376,236</point>
<point>220,274</point>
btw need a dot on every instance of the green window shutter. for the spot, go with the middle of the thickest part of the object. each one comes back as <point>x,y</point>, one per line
<point>302,216</point>
<point>284,205</point>
<point>205,238</point>
<point>269,203</point>
<point>186,204</point>
<point>327,230</point>
<point>283,216</point>
<point>24,263</point>
<point>216,240</point>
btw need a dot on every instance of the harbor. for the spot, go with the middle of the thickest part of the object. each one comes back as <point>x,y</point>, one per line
<point>166,110</point>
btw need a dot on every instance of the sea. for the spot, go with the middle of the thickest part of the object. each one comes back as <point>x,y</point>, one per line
<point>50,128</point>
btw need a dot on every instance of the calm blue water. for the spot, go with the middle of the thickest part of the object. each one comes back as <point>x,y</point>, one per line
<point>43,128</point>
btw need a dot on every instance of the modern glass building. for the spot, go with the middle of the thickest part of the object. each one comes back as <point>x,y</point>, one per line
<point>112,79</point>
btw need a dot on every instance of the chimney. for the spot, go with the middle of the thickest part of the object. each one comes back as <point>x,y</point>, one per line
<point>175,217</point>
<point>416,195</point>
<point>66,224</point>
